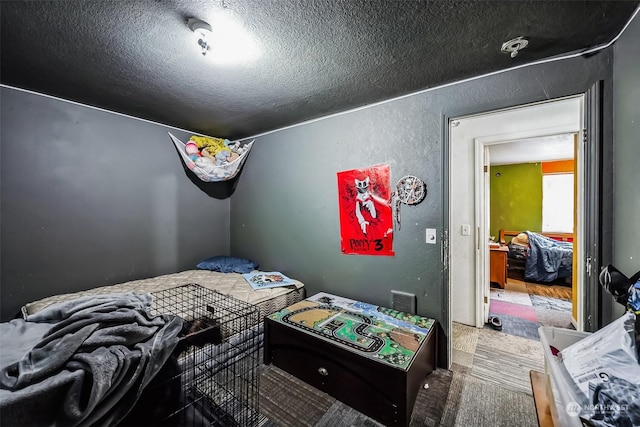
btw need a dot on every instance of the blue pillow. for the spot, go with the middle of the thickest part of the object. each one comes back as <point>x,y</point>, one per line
<point>227,264</point>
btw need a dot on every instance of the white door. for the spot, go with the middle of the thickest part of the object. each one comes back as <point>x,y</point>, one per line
<point>483,218</point>
<point>467,280</point>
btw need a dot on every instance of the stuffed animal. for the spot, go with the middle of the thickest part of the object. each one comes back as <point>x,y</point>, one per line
<point>206,164</point>
<point>192,150</point>
<point>205,152</point>
<point>212,145</point>
<point>222,157</point>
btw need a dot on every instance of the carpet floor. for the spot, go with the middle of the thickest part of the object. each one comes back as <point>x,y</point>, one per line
<point>486,388</point>
<point>488,384</point>
<point>493,368</point>
<point>288,402</point>
<point>479,403</point>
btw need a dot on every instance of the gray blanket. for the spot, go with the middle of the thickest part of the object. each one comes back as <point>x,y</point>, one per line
<point>82,362</point>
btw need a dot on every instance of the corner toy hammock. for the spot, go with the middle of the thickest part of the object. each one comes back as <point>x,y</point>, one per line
<point>213,159</point>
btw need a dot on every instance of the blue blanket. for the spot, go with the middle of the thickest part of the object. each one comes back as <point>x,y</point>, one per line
<point>548,259</point>
<point>82,362</point>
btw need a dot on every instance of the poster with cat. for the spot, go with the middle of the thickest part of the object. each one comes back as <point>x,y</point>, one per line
<point>366,218</point>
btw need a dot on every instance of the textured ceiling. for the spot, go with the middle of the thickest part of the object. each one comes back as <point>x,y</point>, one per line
<point>532,150</point>
<point>317,57</point>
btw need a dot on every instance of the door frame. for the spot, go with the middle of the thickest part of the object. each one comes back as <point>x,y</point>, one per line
<point>448,153</point>
<point>482,211</point>
<point>597,139</point>
<point>595,248</point>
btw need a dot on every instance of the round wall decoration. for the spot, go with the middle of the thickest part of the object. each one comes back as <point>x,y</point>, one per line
<point>409,190</point>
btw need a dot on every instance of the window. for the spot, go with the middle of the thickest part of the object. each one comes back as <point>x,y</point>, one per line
<point>557,202</point>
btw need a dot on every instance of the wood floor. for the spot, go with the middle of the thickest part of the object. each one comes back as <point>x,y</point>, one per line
<point>553,291</point>
<point>515,282</point>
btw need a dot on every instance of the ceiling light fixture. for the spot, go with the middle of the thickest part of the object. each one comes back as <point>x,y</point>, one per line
<point>226,37</point>
<point>514,46</point>
<point>202,30</point>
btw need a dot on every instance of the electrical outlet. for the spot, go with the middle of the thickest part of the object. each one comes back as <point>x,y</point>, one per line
<point>430,236</point>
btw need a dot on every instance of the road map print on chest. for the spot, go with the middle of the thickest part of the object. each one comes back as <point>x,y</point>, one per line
<point>366,219</point>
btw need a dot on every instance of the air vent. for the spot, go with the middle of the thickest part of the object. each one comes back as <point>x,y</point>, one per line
<point>403,301</point>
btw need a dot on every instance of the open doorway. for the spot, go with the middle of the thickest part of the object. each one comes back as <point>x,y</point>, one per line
<point>531,211</point>
<point>467,225</point>
<point>470,139</point>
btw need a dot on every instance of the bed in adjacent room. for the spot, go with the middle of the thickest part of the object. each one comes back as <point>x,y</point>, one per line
<point>539,257</point>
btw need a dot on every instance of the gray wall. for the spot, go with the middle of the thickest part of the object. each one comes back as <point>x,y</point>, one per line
<point>91,198</point>
<point>626,118</point>
<point>284,213</point>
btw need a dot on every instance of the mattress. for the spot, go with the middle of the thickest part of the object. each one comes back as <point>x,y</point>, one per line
<point>233,284</point>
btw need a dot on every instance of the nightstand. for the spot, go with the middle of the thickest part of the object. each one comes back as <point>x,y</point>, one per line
<point>498,265</point>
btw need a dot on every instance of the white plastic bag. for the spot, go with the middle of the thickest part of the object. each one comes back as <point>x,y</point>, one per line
<point>604,374</point>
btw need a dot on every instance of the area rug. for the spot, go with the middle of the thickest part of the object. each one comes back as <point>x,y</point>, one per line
<point>517,319</point>
<point>515,310</point>
<point>522,313</point>
<point>551,303</point>
<point>552,311</point>
<point>517,326</point>
<point>287,401</point>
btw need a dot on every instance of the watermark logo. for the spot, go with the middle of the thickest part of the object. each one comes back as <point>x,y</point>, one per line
<point>573,409</point>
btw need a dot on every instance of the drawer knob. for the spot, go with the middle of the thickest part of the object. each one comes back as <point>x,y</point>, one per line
<point>323,372</point>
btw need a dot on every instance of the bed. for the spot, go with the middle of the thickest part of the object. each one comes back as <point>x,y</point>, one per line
<point>112,351</point>
<point>233,284</point>
<point>539,257</point>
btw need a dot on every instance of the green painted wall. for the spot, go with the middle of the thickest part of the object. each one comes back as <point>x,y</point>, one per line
<point>515,197</point>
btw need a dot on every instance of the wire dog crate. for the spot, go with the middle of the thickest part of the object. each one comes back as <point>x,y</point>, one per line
<point>212,378</point>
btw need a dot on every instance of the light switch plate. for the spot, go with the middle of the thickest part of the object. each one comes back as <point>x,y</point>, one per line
<point>465,229</point>
<point>430,236</point>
